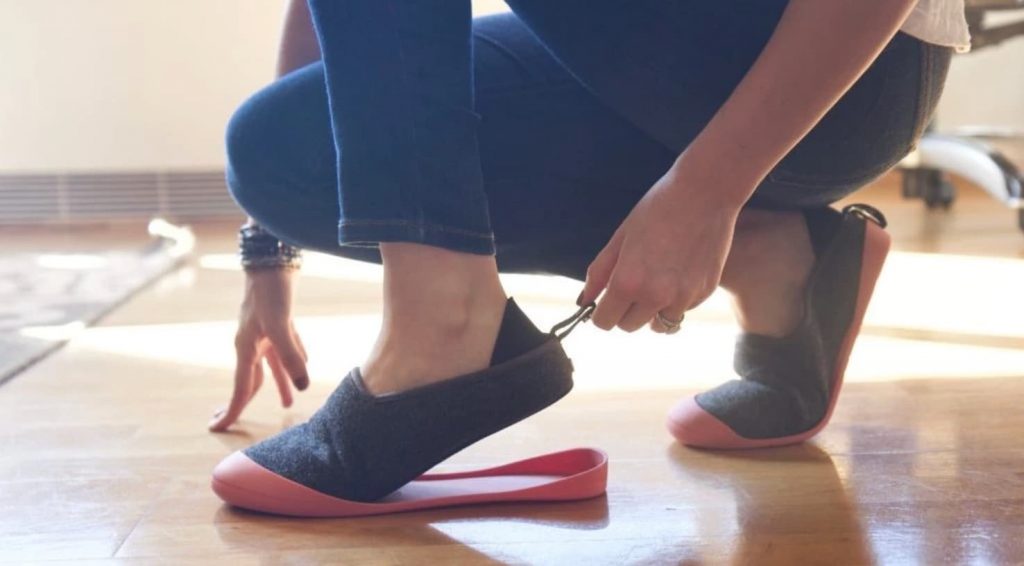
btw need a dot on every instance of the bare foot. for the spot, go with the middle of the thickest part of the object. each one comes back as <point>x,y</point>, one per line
<point>442,312</point>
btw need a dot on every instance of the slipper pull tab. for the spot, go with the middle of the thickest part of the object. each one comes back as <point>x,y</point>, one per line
<point>867,212</point>
<point>562,329</point>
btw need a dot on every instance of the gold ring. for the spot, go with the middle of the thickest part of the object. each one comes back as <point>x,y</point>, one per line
<point>671,326</point>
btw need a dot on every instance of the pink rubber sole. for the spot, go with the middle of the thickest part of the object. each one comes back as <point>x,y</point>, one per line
<point>693,426</point>
<point>581,473</point>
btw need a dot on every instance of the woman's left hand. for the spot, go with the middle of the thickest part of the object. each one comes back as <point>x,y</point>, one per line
<point>667,256</point>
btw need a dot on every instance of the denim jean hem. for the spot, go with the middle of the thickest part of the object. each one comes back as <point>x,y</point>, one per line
<point>370,233</point>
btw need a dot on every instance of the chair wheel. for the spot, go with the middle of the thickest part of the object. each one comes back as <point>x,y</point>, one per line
<point>930,185</point>
<point>939,192</point>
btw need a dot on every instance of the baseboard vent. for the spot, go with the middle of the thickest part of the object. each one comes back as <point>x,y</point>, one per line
<point>70,198</point>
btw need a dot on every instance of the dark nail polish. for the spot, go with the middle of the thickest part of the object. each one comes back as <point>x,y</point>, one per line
<point>579,300</point>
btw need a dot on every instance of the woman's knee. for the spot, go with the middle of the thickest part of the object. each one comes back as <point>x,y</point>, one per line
<point>249,144</point>
<point>279,141</point>
<point>247,140</point>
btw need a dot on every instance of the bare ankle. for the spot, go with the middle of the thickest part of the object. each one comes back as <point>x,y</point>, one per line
<point>768,266</point>
<point>442,312</point>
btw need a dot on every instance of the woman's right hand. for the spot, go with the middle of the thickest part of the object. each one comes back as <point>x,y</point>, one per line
<point>265,332</point>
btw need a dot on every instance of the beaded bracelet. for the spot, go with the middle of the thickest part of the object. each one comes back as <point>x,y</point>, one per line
<point>260,249</point>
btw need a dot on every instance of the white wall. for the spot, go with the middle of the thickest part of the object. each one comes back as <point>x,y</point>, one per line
<point>149,84</point>
<point>986,88</point>
<point>127,84</point>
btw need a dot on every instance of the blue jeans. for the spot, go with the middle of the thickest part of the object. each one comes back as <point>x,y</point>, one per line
<point>531,135</point>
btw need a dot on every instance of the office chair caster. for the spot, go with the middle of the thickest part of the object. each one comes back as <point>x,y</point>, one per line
<point>927,169</point>
<point>930,185</point>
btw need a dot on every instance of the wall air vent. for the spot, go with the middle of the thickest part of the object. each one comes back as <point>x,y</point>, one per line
<point>69,198</point>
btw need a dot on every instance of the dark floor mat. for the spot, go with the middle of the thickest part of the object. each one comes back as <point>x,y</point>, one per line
<point>44,297</point>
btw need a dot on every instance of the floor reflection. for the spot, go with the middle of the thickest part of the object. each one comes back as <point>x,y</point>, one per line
<point>791,506</point>
<point>937,492</point>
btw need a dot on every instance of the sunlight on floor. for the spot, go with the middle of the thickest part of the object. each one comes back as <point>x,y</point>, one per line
<point>915,292</point>
<point>913,330</point>
<point>697,357</point>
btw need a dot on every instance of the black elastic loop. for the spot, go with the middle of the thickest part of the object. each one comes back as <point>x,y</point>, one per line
<point>562,329</point>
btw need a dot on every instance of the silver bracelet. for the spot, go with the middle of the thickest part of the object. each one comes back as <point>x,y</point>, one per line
<point>259,249</point>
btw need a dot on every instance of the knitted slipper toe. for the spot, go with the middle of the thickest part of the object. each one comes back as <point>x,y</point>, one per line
<point>360,447</point>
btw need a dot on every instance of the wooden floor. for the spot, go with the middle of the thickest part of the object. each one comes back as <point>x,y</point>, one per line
<point>104,456</point>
